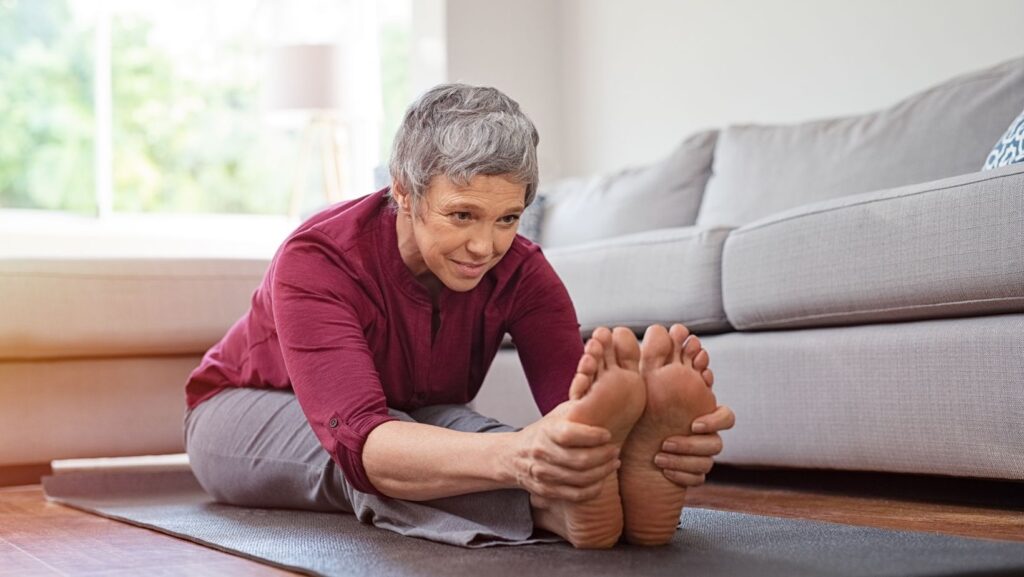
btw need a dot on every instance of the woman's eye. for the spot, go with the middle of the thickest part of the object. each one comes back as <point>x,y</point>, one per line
<point>510,219</point>
<point>461,216</point>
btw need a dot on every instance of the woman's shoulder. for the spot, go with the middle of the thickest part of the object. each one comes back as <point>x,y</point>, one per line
<point>346,221</point>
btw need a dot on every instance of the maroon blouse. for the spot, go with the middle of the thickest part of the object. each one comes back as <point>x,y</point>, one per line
<point>342,321</point>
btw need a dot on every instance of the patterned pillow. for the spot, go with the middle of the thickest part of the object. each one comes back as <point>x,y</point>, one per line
<point>532,218</point>
<point>1010,148</point>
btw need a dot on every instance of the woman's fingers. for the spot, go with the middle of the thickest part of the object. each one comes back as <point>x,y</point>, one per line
<point>684,480</point>
<point>684,464</point>
<point>694,445</point>
<point>567,492</point>
<point>720,420</point>
<point>579,459</point>
<point>554,474</point>
<point>569,434</point>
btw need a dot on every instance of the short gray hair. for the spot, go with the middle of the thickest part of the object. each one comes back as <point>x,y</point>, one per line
<point>461,131</point>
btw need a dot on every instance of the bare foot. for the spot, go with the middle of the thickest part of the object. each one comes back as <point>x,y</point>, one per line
<point>608,392</point>
<point>675,369</point>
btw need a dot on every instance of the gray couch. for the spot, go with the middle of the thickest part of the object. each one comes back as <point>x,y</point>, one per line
<point>847,328</point>
<point>858,282</point>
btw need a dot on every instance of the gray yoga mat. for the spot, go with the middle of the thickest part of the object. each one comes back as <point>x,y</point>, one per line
<point>710,543</point>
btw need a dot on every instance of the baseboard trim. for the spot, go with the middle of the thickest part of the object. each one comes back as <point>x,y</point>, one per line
<point>31,474</point>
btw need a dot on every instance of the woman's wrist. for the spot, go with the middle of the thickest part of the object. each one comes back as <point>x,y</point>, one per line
<point>506,460</point>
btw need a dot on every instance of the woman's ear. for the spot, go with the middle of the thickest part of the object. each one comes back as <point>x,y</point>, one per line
<point>401,197</point>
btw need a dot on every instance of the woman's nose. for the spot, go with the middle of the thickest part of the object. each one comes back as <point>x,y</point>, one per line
<point>481,244</point>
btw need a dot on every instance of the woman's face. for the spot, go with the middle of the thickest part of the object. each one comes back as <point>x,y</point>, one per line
<point>458,233</point>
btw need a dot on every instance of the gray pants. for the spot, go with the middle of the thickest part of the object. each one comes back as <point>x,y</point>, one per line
<point>255,448</point>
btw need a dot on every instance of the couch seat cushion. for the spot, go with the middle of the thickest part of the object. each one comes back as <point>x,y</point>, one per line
<point>951,247</point>
<point>67,308</point>
<point>660,276</point>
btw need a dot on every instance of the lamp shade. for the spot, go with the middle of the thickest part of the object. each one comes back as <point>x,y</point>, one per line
<point>303,77</point>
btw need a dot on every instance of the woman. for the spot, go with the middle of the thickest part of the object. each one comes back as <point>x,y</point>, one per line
<point>344,386</point>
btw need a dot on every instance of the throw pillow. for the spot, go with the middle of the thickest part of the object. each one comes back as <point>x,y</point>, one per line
<point>1010,148</point>
<point>532,217</point>
<point>665,194</point>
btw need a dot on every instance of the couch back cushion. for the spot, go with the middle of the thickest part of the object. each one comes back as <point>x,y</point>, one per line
<point>944,131</point>
<point>665,194</point>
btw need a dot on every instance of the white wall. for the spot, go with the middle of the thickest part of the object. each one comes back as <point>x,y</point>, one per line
<point>613,83</point>
<point>515,46</point>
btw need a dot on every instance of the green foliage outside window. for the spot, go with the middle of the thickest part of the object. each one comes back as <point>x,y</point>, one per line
<point>187,130</point>
<point>188,133</point>
<point>46,109</point>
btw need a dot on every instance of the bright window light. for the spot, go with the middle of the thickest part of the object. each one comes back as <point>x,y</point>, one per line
<point>176,124</point>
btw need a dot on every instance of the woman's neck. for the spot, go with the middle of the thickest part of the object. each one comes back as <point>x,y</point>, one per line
<point>413,259</point>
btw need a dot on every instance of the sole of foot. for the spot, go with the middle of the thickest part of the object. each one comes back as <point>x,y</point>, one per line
<point>608,392</point>
<point>674,367</point>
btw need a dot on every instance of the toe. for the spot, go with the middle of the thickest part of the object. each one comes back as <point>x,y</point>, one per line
<point>690,348</point>
<point>579,386</point>
<point>603,336</point>
<point>586,370</point>
<point>701,361</point>
<point>657,348</point>
<point>592,356</point>
<point>679,334</point>
<point>709,377</point>
<point>627,349</point>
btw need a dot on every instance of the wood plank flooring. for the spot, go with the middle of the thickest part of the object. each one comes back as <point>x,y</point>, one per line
<point>41,538</point>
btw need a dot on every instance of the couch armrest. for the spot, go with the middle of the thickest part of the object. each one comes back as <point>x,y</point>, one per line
<point>950,247</point>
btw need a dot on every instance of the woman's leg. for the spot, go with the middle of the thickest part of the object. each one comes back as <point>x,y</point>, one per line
<point>255,448</point>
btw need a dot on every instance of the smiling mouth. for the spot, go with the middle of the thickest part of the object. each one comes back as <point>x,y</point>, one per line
<point>470,269</point>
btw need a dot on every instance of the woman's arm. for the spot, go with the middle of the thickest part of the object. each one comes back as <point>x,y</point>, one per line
<point>553,458</point>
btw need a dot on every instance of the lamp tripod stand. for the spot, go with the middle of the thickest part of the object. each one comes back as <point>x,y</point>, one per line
<point>322,127</point>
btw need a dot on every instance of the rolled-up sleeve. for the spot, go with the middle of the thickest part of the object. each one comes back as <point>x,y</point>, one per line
<point>316,299</point>
<point>546,332</point>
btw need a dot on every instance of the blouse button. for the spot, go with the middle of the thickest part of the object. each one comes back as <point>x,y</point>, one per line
<point>333,424</point>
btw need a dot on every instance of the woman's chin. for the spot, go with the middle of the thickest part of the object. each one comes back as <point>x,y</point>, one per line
<point>462,285</point>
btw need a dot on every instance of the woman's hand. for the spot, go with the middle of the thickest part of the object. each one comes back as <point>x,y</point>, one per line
<point>558,459</point>
<point>686,460</point>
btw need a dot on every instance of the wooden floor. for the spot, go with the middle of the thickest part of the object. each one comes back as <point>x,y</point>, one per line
<point>41,538</point>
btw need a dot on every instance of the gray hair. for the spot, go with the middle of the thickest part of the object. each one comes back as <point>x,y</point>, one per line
<point>461,131</point>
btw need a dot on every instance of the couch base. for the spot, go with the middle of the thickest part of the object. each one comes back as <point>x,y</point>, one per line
<point>92,408</point>
<point>938,397</point>
<point>935,397</point>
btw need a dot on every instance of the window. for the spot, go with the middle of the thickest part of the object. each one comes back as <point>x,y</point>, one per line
<point>131,106</point>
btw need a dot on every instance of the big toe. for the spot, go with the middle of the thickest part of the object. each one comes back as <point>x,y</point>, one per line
<point>657,348</point>
<point>627,349</point>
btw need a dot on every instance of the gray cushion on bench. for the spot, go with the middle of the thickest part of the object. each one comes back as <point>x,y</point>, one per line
<point>952,247</point>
